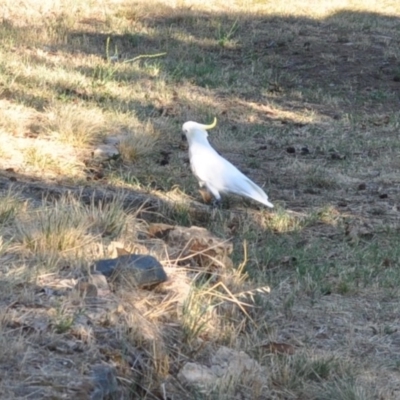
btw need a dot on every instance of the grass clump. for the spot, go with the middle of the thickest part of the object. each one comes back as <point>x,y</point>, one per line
<point>69,227</point>
<point>345,388</point>
<point>10,205</point>
<point>75,124</point>
<point>108,218</point>
<point>138,141</point>
<point>53,230</point>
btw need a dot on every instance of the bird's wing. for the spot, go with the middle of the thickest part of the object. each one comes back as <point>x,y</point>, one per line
<point>207,165</point>
<point>222,176</point>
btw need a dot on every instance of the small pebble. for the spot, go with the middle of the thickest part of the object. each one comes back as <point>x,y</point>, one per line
<point>86,289</point>
<point>304,151</point>
<point>291,150</point>
<point>337,156</point>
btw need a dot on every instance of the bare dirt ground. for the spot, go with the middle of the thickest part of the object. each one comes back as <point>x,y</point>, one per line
<point>307,100</point>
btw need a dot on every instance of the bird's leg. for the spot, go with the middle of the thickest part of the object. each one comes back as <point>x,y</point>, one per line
<point>217,197</point>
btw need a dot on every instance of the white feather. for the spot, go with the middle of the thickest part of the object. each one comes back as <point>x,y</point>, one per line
<point>216,173</point>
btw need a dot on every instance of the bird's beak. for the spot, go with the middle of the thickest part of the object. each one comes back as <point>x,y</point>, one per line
<point>213,125</point>
<point>184,138</point>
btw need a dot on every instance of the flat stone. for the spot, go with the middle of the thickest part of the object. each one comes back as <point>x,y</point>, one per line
<point>207,250</point>
<point>105,152</point>
<point>198,376</point>
<point>229,363</point>
<point>86,289</point>
<point>228,369</point>
<point>145,270</point>
<point>113,140</point>
<point>99,280</point>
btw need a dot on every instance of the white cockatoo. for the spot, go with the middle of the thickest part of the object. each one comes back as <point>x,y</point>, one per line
<point>213,171</point>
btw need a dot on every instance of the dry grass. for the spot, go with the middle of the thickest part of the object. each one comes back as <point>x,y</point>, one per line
<point>75,124</point>
<point>306,95</point>
<point>137,139</point>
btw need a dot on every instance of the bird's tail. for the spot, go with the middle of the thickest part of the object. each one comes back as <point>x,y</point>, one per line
<point>256,193</point>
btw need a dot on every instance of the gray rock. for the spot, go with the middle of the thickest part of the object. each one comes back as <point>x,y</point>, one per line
<point>145,270</point>
<point>99,280</point>
<point>105,152</point>
<point>199,376</point>
<point>228,370</point>
<point>86,289</point>
<point>113,140</point>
